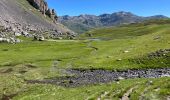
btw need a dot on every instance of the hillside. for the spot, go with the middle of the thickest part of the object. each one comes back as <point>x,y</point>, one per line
<point>129,61</point>
<point>126,31</point>
<point>84,23</point>
<point>20,17</point>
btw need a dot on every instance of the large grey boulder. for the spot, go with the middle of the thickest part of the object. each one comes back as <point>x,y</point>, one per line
<point>39,37</point>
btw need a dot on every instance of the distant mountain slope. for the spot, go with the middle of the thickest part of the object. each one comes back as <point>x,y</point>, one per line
<point>83,23</point>
<point>128,31</point>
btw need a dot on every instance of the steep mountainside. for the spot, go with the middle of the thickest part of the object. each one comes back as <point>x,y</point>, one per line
<point>83,23</point>
<point>27,16</point>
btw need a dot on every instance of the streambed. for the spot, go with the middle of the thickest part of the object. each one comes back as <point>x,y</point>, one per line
<point>88,77</point>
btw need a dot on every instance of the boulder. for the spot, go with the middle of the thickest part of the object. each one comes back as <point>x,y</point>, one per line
<point>59,38</point>
<point>39,37</point>
<point>24,33</point>
<point>17,34</point>
<point>18,40</point>
<point>120,78</point>
<point>9,40</point>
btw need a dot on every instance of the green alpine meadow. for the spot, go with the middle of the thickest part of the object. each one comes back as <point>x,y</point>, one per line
<point>46,56</point>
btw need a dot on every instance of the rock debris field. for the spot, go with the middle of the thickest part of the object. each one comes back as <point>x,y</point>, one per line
<point>88,77</point>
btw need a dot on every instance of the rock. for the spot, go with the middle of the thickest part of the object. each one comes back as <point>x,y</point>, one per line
<point>13,29</point>
<point>8,40</point>
<point>126,51</point>
<point>119,59</point>
<point>24,33</point>
<point>1,39</point>
<point>60,33</point>
<point>150,83</point>
<point>159,53</point>
<point>157,89</point>
<point>4,40</point>
<point>12,40</point>
<point>18,41</point>
<point>120,78</point>
<point>39,37</point>
<point>17,34</point>
<point>157,38</point>
<point>59,38</point>
<point>118,82</point>
<point>52,14</point>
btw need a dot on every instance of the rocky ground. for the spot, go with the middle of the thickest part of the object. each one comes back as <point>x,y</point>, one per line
<point>87,77</point>
<point>20,18</point>
<point>159,53</point>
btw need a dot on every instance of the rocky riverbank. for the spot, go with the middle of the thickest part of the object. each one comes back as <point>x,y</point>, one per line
<point>87,77</point>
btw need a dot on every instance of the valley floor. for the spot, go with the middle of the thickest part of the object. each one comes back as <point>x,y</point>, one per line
<point>126,49</point>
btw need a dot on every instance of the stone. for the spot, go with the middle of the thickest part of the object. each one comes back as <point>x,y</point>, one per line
<point>3,40</point>
<point>41,38</point>
<point>118,82</point>
<point>17,34</point>
<point>126,51</point>
<point>150,82</point>
<point>18,41</point>
<point>12,40</point>
<point>25,33</point>
<point>120,78</point>
<point>13,29</point>
<point>59,38</point>
<point>119,59</point>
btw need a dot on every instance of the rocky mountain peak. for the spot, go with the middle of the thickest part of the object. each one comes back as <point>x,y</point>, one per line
<point>87,22</point>
<point>43,7</point>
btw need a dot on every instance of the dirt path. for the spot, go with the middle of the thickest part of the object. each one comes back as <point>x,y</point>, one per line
<point>103,95</point>
<point>127,94</point>
<point>142,95</point>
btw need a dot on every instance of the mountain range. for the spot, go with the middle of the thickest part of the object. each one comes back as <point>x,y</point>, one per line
<point>83,23</point>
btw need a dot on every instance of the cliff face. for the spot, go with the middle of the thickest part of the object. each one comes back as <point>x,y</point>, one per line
<point>21,18</point>
<point>43,7</point>
<point>39,4</point>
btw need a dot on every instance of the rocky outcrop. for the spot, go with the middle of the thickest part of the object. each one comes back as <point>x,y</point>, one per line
<point>52,14</point>
<point>17,20</point>
<point>39,4</point>
<point>42,6</point>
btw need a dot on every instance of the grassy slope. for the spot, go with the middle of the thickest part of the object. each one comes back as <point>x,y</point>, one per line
<point>139,40</point>
<point>115,91</point>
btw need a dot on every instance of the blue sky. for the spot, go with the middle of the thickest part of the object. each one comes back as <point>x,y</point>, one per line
<point>139,7</point>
